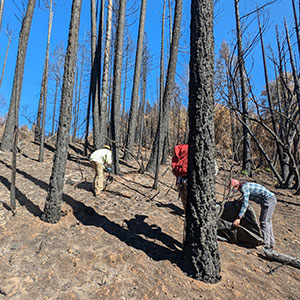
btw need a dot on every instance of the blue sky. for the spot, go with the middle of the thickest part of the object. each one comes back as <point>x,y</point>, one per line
<point>224,24</point>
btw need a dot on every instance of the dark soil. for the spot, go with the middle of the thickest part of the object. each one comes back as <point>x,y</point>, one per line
<point>127,243</point>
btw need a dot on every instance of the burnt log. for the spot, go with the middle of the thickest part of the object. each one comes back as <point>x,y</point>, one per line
<point>282,258</point>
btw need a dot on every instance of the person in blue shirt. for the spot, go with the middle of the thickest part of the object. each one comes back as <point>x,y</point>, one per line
<point>266,199</point>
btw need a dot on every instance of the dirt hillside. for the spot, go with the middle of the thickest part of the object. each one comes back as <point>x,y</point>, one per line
<point>125,244</point>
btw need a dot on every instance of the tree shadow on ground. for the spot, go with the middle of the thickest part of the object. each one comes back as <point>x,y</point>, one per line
<point>131,188</point>
<point>46,146</point>
<point>79,160</point>
<point>22,199</point>
<point>124,163</point>
<point>26,156</point>
<point>87,186</point>
<point>78,149</point>
<point>89,217</point>
<point>175,210</point>
<point>139,184</point>
<point>288,202</point>
<point>36,181</point>
<point>138,225</point>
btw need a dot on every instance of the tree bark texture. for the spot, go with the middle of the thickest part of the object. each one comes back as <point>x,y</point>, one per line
<point>201,254</point>
<point>145,62</point>
<point>46,68</point>
<point>5,59</point>
<point>105,79</point>
<point>54,106</point>
<point>1,12</point>
<point>7,138</point>
<point>170,82</point>
<point>52,210</point>
<point>96,73</point>
<point>132,123</point>
<point>242,71</point>
<point>116,92</point>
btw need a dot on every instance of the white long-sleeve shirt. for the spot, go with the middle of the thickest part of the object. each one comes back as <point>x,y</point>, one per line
<point>102,156</point>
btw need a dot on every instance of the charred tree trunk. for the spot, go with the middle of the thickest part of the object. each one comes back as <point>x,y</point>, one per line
<point>96,70</point>
<point>37,128</point>
<point>242,71</point>
<point>54,106</point>
<point>8,134</point>
<point>46,68</point>
<point>280,151</point>
<point>1,12</point>
<point>78,97</point>
<point>132,123</point>
<point>5,58</point>
<point>144,85</point>
<point>52,210</point>
<point>116,93</point>
<point>105,79</point>
<point>124,121</point>
<point>201,254</point>
<point>170,82</point>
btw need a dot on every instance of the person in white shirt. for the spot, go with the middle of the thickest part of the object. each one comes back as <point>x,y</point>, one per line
<point>100,160</point>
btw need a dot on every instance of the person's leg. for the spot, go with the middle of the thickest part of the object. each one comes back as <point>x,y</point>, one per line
<point>98,179</point>
<point>94,167</point>
<point>182,189</point>
<point>267,209</point>
<point>272,239</point>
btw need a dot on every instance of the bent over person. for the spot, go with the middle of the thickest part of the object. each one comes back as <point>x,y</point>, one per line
<point>266,199</point>
<point>100,160</point>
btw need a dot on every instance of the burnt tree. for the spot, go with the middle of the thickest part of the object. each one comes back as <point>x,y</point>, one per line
<point>7,138</point>
<point>201,255</point>
<point>52,210</point>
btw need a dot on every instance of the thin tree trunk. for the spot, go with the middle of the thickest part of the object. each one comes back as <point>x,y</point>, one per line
<point>7,138</point>
<point>170,82</point>
<point>242,71</point>
<point>105,79</point>
<point>201,254</point>
<point>296,25</point>
<point>52,210</point>
<point>46,67</point>
<point>74,115</point>
<point>293,66</point>
<point>1,12</point>
<point>144,85</point>
<point>54,107</point>
<point>5,58</point>
<point>162,50</point>
<point>116,92</point>
<point>14,161</point>
<point>132,123</point>
<point>37,129</point>
<point>166,143</point>
<point>78,96</point>
<point>96,73</point>
<point>270,102</point>
<point>123,126</point>
<point>93,50</point>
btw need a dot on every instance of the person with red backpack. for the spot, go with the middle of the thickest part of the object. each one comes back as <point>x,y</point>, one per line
<point>180,170</point>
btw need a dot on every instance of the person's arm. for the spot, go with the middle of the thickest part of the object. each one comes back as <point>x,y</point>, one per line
<point>107,162</point>
<point>244,206</point>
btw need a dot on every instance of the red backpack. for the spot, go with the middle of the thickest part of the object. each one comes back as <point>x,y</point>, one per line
<point>180,160</point>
